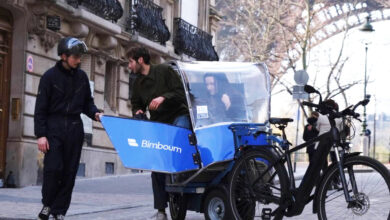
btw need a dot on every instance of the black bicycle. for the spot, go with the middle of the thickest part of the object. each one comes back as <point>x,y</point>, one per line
<point>355,187</point>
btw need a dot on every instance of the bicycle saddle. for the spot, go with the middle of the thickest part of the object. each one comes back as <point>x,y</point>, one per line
<point>284,121</point>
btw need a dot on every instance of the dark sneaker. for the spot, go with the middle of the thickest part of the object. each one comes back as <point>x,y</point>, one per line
<point>44,214</point>
<point>59,217</point>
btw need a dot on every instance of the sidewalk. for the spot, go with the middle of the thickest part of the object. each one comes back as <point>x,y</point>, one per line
<point>113,197</point>
<point>90,196</point>
<point>123,193</point>
<point>95,195</point>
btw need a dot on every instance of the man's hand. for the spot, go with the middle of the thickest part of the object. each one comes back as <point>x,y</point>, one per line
<point>43,144</point>
<point>156,102</point>
<point>139,112</point>
<point>226,100</point>
<point>98,116</point>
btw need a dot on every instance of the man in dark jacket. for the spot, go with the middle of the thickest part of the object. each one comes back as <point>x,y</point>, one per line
<point>63,94</point>
<point>159,89</point>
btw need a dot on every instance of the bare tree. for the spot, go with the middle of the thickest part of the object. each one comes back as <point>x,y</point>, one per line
<point>279,33</point>
<point>255,30</point>
<point>385,3</point>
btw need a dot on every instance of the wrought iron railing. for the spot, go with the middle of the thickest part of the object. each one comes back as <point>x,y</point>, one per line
<point>107,9</point>
<point>192,41</point>
<point>146,18</point>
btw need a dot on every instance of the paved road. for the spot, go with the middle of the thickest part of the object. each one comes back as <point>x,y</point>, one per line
<point>114,198</point>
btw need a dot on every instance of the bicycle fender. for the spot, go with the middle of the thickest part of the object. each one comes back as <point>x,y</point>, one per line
<point>272,149</point>
<point>354,154</point>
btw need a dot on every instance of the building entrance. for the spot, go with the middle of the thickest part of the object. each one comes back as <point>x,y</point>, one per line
<point>5,70</point>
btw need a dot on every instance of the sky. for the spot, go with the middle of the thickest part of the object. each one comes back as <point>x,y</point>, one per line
<point>378,69</point>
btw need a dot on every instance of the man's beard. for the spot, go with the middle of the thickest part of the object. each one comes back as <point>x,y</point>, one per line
<point>77,66</point>
<point>71,67</point>
<point>138,69</point>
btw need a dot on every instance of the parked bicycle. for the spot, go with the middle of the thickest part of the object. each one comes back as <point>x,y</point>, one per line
<point>259,179</point>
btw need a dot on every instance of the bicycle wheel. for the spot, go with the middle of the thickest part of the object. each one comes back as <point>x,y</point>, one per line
<point>256,184</point>
<point>371,199</point>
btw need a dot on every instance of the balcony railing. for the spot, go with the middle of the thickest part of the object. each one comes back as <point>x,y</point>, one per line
<point>108,9</point>
<point>146,18</point>
<point>193,41</point>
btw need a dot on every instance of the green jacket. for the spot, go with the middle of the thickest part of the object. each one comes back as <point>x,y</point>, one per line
<point>162,80</point>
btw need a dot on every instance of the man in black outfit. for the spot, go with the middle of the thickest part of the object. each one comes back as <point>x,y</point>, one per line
<point>159,89</point>
<point>63,94</point>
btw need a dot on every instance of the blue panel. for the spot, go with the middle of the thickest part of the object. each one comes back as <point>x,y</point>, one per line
<point>150,145</point>
<point>215,143</point>
<point>260,140</point>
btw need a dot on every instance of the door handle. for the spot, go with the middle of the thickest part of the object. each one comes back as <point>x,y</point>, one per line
<point>1,110</point>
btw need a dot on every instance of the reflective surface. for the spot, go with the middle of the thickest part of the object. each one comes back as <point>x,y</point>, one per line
<point>227,92</point>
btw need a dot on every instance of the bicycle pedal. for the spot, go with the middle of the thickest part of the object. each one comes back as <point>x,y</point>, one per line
<point>266,214</point>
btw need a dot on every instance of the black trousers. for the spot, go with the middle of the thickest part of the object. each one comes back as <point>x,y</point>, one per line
<point>159,193</point>
<point>311,158</point>
<point>158,179</point>
<point>60,165</point>
<point>310,151</point>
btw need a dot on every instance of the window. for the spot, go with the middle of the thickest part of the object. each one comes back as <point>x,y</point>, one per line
<point>110,86</point>
<point>132,78</point>
<point>189,11</point>
<point>109,168</point>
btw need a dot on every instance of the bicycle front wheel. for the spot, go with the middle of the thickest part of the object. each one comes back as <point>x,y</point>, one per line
<point>257,184</point>
<point>368,183</point>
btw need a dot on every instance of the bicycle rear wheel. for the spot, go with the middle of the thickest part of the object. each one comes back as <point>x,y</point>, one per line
<point>256,183</point>
<point>371,199</point>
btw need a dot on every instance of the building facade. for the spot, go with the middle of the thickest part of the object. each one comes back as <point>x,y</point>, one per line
<point>29,33</point>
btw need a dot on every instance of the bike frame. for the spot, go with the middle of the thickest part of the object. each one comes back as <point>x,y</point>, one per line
<point>301,196</point>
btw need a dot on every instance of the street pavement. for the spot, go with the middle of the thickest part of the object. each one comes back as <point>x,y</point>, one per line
<point>112,198</point>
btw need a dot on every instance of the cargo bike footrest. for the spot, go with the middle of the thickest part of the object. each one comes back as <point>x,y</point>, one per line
<point>188,188</point>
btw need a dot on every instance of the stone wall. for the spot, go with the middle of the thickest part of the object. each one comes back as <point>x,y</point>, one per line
<point>107,43</point>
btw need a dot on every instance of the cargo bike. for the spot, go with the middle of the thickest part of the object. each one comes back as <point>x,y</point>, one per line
<point>229,105</point>
<point>229,165</point>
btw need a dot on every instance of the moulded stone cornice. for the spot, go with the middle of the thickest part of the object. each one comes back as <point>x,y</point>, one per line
<point>79,30</point>
<point>49,39</point>
<point>97,22</point>
<point>214,15</point>
<point>80,15</point>
<point>107,42</point>
<point>37,25</point>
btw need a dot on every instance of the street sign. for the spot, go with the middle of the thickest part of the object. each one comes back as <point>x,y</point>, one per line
<point>53,22</point>
<point>301,77</point>
<point>299,92</point>
<point>30,64</point>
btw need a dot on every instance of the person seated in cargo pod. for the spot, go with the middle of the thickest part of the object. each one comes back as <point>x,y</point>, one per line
<point>221,101</point>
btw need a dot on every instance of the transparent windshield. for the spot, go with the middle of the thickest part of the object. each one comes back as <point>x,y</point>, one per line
<point>227,92</point>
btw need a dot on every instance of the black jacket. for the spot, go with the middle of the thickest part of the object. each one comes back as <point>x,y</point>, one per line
<point>62,94</point>
<point>162,80</point>
<point>310,134</point>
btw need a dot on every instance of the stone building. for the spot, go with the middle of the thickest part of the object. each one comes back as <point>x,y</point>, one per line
<point>29,33</point>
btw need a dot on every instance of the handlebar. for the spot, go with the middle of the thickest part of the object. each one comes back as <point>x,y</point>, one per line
<point>310,104</point>
<point>328,110</point>
<point>325,109</point>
